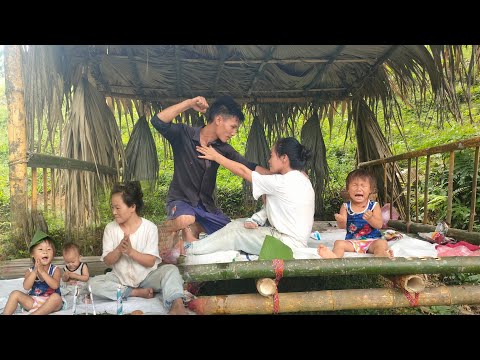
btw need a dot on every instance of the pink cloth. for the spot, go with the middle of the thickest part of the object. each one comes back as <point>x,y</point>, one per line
<point>469,246</point>
<point>456,250</point>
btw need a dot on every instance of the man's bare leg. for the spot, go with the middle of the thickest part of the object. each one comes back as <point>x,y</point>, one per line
<point>192,232</point>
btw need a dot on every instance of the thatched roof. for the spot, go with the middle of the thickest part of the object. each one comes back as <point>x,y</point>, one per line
<point>263,73</point>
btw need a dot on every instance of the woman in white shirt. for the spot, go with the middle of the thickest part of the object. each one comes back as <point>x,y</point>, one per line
<point>290,202</point>
<point>130,248</point>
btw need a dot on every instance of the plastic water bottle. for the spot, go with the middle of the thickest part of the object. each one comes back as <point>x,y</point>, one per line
<point>119,301</point>
<point>313,239</point>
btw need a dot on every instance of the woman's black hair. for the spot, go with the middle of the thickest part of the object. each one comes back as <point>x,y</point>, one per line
<point>296,152</point>
<point>132,194</point>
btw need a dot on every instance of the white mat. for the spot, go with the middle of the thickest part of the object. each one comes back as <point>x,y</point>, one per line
<point>404,247</point>
<point>153,306</point>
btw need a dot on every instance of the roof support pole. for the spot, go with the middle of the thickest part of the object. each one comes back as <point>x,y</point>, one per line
<point>17,138</point>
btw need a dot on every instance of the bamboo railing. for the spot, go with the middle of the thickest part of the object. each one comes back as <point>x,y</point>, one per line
<point>43,161</point>
<point>451,148</point>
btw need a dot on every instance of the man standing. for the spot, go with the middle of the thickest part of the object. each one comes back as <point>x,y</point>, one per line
<point>190,204</point>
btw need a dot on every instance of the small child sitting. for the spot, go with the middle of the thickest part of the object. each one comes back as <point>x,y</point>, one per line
<point>75,272</point>
<point>42,280</point>
<point>362,218</point>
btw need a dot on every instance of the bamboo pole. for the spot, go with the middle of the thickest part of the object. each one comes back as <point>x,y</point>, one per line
<point>266,286</point>
<point>34,190</point>
<point>59,162</point>
<point>45,194</point>
<point>425,193</point>
<point>450,187</point>
<point>409,173</point>
<point>472,237</point>
<point>416,189</point>
<point>474,191</point>
<point>385,189</point>
<point>392,195</point>
<point>321,267</point>
<point>458,145</point>
<point>332,300</point>
<point>52,184</point>
<point>17,138</point>
<point>410,283</point>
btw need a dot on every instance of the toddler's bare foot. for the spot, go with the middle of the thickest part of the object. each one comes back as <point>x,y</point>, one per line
<point>387,253</point>
<point>250,225</point>
<point>177,308</point>
<point>146,293</point>
<point>325,252</point>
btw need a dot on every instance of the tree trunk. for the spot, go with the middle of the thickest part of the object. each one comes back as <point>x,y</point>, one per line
<point>17,140</point>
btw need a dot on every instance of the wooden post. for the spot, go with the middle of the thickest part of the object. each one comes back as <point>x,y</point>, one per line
<point>450,187</point>
<point>385,191</point>
<point>474,191</point>
<point>52,184</point>
<point>425,193</point>
<point>45,193</point>
<point>17,138</point>
<point>392,186</point>
<point>407,216</point>
<point>34,190</point>
<point>416,189</point>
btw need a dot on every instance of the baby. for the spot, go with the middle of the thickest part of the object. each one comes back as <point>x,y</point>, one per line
<point>75,272</point>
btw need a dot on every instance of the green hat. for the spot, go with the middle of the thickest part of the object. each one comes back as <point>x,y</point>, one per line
<point>38,238</point>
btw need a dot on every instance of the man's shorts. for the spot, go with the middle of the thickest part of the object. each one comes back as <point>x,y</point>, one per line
<point>211,222</point>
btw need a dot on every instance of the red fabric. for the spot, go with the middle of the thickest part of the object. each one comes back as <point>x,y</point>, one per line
<point>458,250</point>
<point>469,246</point>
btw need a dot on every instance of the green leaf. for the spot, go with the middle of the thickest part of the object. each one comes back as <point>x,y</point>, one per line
<point>274,248</point>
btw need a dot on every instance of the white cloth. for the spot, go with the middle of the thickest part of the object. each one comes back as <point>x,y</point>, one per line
<point>290,204</point>
<point>144,240</point>
<point>404,247</point>
<point>153,306</point>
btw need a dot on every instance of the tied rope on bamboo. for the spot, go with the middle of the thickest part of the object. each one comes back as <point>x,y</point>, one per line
<point>278,266</point>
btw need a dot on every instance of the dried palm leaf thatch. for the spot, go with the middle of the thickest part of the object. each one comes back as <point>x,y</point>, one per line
<point>371,144</point>
<point>44,93</point>
<point>277,119</point>
<point>141,154</point>
<point>257,151</point>
<point>92,135</point>
<point>317,166</point>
